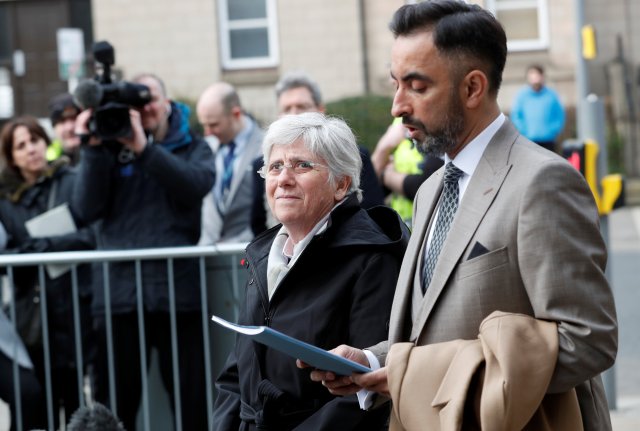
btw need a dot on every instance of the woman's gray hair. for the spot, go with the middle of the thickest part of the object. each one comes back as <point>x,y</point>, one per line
<point>328,138</point>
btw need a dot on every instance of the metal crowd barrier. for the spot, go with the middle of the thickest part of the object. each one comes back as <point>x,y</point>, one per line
<point>221,283</point>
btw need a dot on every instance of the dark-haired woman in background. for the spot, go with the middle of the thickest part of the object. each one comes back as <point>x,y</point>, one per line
<point>30,186</point>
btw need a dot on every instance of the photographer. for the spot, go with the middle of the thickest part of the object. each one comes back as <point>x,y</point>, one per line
<point>147,189</point>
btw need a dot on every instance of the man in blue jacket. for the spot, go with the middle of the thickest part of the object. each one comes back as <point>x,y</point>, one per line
<point>147,190</point>
<point>537,111</point>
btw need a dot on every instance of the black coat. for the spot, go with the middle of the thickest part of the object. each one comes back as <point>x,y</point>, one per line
<point>151,201</point>
<point>339,291</point>
<point>20,203</point>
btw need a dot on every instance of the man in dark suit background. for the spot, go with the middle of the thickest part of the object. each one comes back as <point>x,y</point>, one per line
<point>482,242</point>
<point>226,211</point>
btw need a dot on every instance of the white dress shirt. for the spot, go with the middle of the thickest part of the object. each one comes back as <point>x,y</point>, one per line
<point>467,161</point>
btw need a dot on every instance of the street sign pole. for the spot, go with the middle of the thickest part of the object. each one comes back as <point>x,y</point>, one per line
<point>590,117</point>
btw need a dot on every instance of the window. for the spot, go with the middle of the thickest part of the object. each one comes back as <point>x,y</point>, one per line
<point>248,33</point>
<point>525,22</point>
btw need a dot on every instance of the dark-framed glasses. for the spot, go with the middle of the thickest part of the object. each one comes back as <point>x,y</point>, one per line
<point>299,167</point>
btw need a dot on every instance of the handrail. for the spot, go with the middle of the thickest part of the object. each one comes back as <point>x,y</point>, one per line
<point>84,256</point>
<point>231,253</point>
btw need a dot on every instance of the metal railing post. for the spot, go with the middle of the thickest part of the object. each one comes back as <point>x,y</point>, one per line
<point>143,346</point>
<point>109,328</point>
<point>174,346</point>
<point>45,343</point>
<point>77,332</point>
<point>205,339</point>
<point>17,393</point>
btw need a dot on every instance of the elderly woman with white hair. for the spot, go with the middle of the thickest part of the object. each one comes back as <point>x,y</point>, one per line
<point>325,275</point>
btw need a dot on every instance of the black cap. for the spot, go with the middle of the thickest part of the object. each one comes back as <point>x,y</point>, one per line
<point>61,107</point>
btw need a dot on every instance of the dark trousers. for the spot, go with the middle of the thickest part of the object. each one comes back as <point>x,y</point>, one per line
<point>64,383</point>
<point>127,365</point>
<point>33,408</point>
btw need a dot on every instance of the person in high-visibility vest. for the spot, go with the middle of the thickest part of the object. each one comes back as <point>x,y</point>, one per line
<point>63,112</point>
<point>401,168</point>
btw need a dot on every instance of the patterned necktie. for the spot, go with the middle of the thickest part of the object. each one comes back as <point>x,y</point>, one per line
<point>448,208</point>
<point>227,163</point>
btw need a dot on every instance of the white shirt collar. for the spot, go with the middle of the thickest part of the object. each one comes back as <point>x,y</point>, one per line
<point>278,256</point>
<point>298,248</point>
<point>468,158</point>
<point>242,137</point>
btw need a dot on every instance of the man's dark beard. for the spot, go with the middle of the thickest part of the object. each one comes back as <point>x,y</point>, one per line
<point>438,142</point>
<point>445,141</point>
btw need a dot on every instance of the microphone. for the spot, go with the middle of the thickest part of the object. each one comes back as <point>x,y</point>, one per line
<point>88,94</point>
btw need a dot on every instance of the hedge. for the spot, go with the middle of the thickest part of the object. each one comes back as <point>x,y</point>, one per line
<point>368,116</point>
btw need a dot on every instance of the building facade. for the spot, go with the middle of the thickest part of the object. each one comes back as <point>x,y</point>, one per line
<point>343,44</point>
<point>29,69</point>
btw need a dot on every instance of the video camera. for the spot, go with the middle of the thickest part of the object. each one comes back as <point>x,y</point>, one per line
<point>110,101</point>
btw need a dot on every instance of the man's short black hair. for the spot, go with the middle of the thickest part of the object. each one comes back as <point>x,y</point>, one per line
<point>460,30</point>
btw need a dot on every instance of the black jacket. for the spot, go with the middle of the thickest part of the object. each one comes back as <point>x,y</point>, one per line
<point>339,291</point>
<point>20,202</point>
<point>151,201</point>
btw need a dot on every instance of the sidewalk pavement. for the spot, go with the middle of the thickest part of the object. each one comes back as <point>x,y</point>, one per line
<point>624,253</point>
<point>627,416</point>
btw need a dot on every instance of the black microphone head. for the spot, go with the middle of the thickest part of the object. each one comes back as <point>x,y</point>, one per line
<point>88,94</point>
<point>104,53</point>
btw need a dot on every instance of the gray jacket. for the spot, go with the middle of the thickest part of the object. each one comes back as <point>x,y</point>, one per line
<point>11,344</point>
<point>235,225</point>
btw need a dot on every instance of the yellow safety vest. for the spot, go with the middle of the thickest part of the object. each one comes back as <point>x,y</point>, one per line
<point>407,160</point>
<point>54,150</point>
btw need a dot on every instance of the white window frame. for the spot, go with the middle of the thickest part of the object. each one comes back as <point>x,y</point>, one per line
<point>270,22</point>
<point>541,42</point>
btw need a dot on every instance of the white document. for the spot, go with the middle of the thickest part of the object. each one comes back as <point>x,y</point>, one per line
<point>297,349</point>
<point>57,221</point>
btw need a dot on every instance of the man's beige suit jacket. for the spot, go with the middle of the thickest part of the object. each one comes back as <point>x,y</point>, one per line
<point>497,382</point>
<point>535,219</point>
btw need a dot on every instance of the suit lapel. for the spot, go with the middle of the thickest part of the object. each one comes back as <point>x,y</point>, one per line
<point>245,162</point>
<point>481,191</point>
<point>425,203</point>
